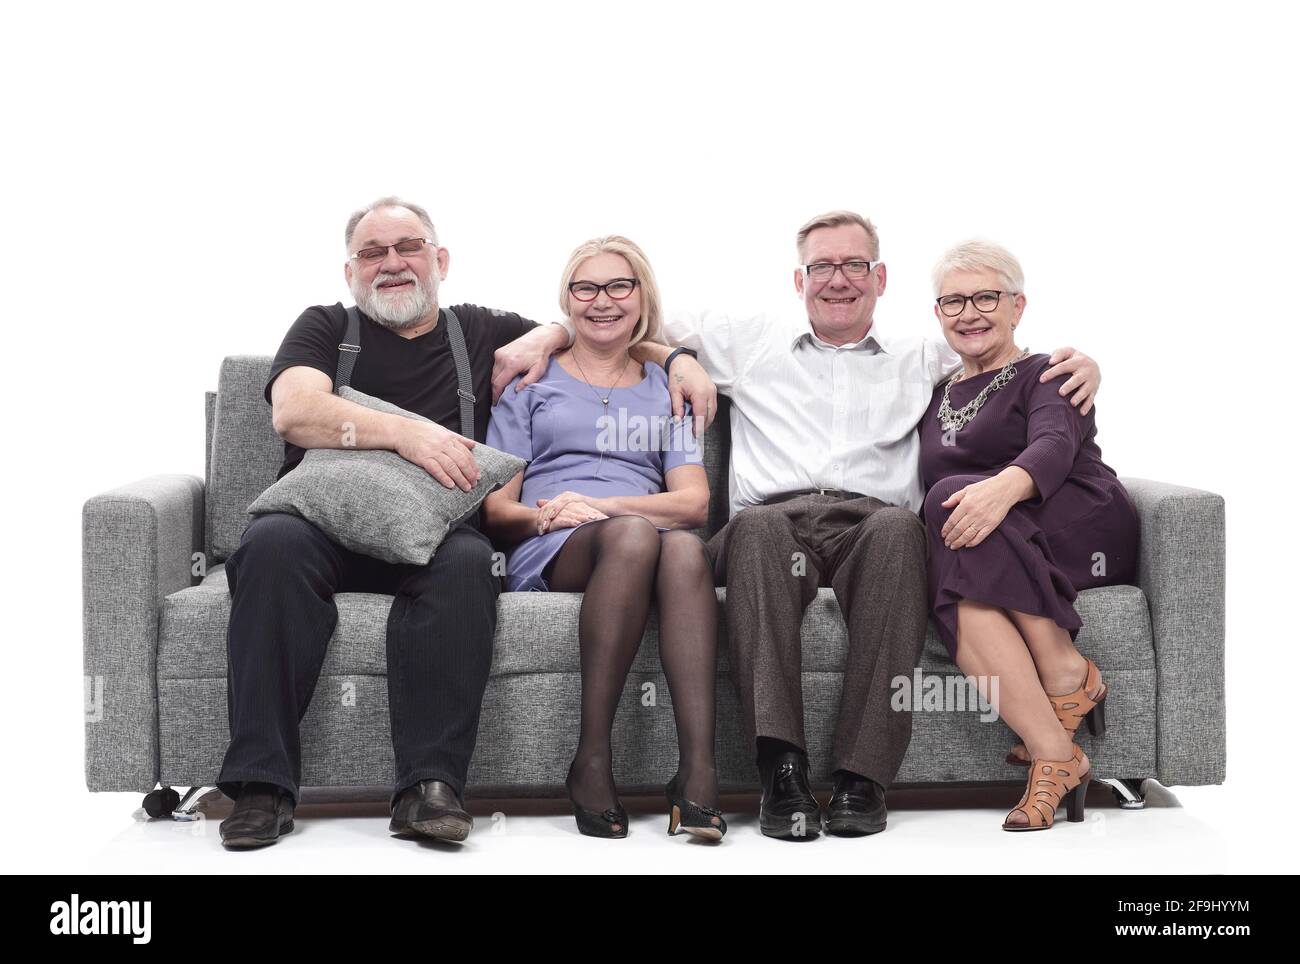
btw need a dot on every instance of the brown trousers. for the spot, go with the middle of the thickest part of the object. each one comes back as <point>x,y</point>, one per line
<point>872,555</point>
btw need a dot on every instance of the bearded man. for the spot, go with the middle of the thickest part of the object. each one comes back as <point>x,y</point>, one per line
<point>285,572</point>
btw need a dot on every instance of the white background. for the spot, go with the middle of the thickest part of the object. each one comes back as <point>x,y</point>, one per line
<point>175,184</point>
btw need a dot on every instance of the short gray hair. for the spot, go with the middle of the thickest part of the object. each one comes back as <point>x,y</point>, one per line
<point>980,255</point>
<point>389,202</point>
<point>833,219</point>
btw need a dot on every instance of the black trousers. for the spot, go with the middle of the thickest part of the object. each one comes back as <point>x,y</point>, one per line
<point>283,578</point>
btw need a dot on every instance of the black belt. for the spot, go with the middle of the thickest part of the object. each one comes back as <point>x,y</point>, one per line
<point>835,493</point>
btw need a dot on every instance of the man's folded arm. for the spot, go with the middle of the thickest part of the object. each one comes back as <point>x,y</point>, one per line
<point>306,412</point>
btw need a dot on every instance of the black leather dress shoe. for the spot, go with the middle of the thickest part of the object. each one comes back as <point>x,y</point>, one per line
<point>788,809</point>
<point>430,809</point>
<point>262,813</point>
<point>857,806</point>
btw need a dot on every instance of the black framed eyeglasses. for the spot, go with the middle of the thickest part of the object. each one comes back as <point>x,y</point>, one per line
<point>824,270</point>
<point>984,302</point>
<point>618,289</point>
<point>410,246</point>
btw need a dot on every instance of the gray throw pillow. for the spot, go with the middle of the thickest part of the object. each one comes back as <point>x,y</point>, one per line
<point>378,504</point>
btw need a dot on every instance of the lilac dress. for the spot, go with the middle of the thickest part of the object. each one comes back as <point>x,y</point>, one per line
<point>1080,531</point>
<point>559,425</point>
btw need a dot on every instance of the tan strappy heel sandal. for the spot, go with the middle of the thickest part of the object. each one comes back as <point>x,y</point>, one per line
<point>1071,709</point>
<point>1051,784</point>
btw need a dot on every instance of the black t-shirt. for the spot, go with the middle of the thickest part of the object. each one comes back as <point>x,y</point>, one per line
<point>417,374</point>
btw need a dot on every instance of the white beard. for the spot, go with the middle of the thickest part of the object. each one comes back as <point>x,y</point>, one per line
<point>399,309</point>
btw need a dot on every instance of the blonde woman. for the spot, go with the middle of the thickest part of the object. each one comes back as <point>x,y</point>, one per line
<point>611,483</point>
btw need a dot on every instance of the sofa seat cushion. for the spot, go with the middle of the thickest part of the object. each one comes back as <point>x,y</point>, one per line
<point>537,633</point>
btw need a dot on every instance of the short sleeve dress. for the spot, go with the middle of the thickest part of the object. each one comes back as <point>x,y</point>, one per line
<point>560,426</point>
<point>1079,532</point>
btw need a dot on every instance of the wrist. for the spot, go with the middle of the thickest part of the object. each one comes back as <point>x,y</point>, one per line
<point>675,353</point>
<point>649,351</point>
<point>1017,484</point>
<point>394,429</point>
<point>569,332</point>
<point>558,336</point>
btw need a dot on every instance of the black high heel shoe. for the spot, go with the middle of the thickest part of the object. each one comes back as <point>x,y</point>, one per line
<point>594,824</point>
<point>690,816</point>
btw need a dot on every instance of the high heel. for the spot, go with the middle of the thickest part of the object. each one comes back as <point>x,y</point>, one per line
<point>596,824</point>
<point>1051,784</point>
<point>691,817</point>
<point>1096,717</point>
<point>1072,708</point>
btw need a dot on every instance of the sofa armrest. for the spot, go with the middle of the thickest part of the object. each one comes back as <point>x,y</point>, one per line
<point>137,544</point>
<point>1181,571</point>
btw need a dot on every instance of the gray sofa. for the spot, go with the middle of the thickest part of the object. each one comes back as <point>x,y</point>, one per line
<point>156,604</point>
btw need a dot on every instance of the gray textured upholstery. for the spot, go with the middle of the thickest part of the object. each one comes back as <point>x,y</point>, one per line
<point>245,452</point>
<point>138,543</point>
<point>158,644</point>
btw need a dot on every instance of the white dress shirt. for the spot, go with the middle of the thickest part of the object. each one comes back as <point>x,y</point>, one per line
<point>806,414</point>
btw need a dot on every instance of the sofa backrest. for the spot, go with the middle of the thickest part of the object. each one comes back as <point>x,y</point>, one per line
<point>244,453</point>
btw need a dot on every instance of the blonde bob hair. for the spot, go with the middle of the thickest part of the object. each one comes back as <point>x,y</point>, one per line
<point>647,326</point>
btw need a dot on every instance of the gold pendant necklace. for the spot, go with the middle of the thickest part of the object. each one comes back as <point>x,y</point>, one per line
<point>604,400</point>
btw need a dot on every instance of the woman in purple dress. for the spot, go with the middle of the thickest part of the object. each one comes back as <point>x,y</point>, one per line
<point>1021,514</point>
<point>612,481</point>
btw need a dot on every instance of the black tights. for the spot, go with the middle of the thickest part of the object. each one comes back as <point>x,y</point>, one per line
<point>616,563</point>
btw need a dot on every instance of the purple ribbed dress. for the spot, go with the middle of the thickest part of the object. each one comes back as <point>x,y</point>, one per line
<point>1081,531</point>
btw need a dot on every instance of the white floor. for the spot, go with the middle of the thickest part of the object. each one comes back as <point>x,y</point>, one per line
<point>930,831</point>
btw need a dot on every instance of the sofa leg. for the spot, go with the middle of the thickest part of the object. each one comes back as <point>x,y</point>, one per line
<point>160,802</point>
<point>188,807</point>
<point>1128,792</point>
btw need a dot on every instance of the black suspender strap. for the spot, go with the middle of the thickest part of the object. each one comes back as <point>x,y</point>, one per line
<point>464,378</point>
<point>351,347</point>
<point>348,350</point>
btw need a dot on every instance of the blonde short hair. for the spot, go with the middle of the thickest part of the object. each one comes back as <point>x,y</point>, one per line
<point>833,219</point>
<point>979,255</point>
<point>647,326</point>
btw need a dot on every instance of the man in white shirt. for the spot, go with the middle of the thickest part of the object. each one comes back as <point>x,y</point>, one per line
<point>824,488</point>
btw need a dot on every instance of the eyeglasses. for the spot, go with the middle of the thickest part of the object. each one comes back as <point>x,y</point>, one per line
<point>984,302</point>
<point>618,289</point>
<point>405,248</point>
<point>824,270</point>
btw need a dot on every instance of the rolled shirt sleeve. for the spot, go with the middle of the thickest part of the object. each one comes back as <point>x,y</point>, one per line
<point>725,345</point>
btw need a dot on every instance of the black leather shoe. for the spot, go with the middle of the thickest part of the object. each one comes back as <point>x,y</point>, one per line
<point>857,806</point>
<point>430,809</point>
<point>262,813</point>
<point>788,809</point>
